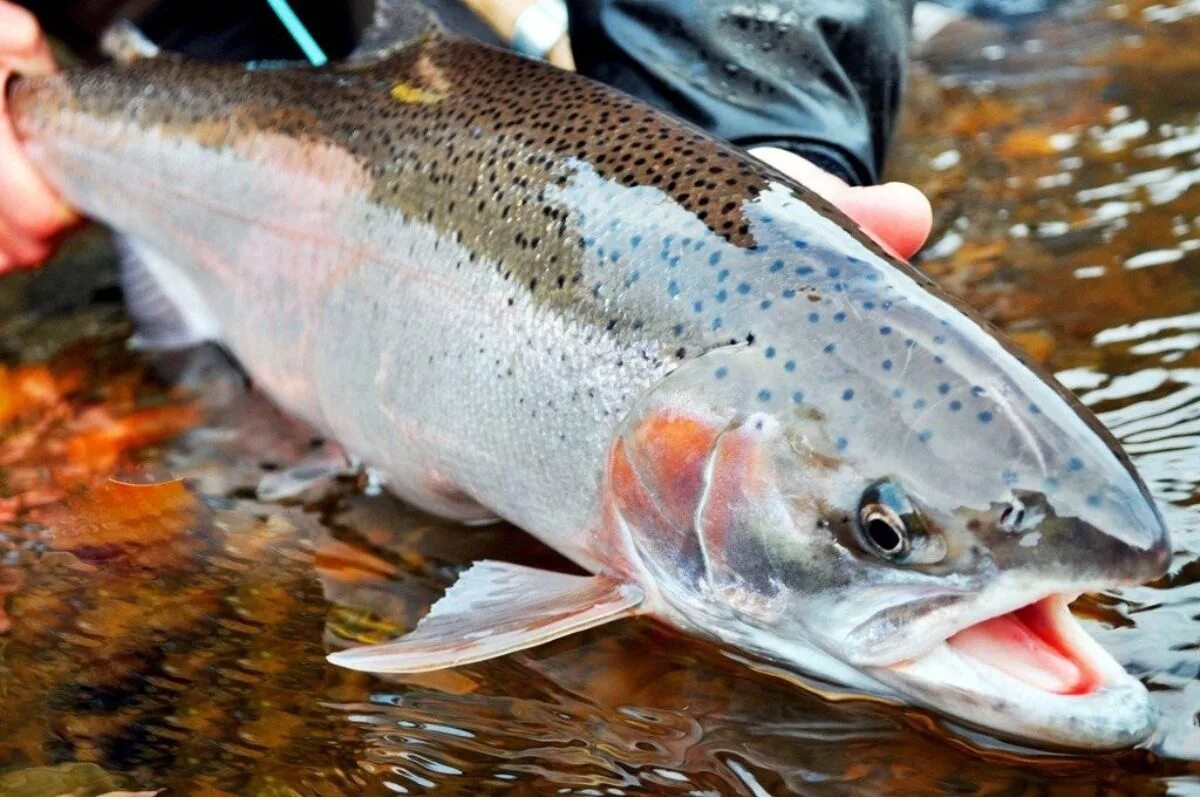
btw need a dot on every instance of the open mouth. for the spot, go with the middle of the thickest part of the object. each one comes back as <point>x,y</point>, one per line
<point>1030,673</point>
<point>1039,647</point>
<point>1040,644</point>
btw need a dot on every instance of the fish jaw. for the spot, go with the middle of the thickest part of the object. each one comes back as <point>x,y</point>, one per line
<point>1032,673</point>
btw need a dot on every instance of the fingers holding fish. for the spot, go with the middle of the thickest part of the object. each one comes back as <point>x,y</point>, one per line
<point>31,213</point>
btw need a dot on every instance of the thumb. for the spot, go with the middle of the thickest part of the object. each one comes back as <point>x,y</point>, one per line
<point>896,215</point>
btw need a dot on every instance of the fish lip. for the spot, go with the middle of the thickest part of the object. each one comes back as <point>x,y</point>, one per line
<point>970,608</point>
<point>966,607</point>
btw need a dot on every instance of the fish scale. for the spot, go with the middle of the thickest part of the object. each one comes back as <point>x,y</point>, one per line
<point>505,287</point>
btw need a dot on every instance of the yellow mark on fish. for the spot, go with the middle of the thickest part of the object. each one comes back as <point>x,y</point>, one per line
<point>416,95</point>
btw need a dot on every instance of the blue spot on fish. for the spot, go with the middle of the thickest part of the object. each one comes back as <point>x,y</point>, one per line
<point>848,395</point>
<point>769,352</point>
<point>802,271</point>
<point>673,289</point>
<point>698,306</point>
<point>919,403</point>
<point>721,373</point>
<point>714,258</point>
<point>1074,464</point>
<point>985,417</point>
<point>799,244</point>
<point>814,317</point>
<point>955,405</point>
<point>925,436</point>
<point>842,443</point>
<point>828,348</point>
<point>797,397</point>
<point>839,316</point>
<point>869,305</point>
<point>1093,500</point>
<point>743,288</point>
<point>833,272</point>
<point>887,365</point>
<point>789,293</point>
<point>943,388</point>
<point>885,330</point>
<point>722,275</point>
<point>790,366</point>
<point>764,395</point>
<point>764,305</point>
<point>777,266</point>
<point>722,296</point>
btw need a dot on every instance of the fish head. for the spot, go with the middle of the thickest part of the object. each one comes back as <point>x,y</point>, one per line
<point>829,530</point>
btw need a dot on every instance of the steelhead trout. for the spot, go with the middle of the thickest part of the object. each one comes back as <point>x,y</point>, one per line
<point>518,293</point>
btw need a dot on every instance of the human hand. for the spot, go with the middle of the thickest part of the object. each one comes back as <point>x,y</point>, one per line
<point>896,215</point>
<point>31,214</point>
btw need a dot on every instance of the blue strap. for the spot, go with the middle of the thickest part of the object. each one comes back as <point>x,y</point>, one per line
<point>312,50</point>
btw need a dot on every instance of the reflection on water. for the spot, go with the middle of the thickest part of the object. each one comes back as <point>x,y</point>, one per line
<point>171,636</point>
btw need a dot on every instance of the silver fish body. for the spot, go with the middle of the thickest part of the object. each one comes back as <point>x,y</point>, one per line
<point>517,293</point>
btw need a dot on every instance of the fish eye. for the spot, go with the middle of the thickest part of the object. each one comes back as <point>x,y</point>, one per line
<point>884,529</point>
<point>889,524</point>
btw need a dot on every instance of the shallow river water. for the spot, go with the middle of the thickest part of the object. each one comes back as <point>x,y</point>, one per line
<point>170,635</point>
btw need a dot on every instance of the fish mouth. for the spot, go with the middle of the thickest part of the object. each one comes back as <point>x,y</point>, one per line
<point>1031,673</point>
<point>1040,644</point>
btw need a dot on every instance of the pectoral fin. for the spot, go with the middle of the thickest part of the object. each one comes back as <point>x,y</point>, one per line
<point>495,609</point>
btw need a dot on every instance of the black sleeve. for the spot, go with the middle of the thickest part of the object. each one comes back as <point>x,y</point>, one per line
<point>822,78</point>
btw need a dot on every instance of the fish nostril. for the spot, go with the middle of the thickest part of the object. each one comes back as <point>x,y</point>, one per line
<point>1013,516</point>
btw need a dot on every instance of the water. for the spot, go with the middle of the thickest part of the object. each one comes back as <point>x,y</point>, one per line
<point>171,636</point>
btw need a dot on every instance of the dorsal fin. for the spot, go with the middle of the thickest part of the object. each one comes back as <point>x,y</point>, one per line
<point>495,609</point>
<point>124,42</point>
<point>395,24</point>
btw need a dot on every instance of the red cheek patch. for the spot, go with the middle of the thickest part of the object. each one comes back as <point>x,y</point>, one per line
<point>672,450</point>
<point>655,478</point>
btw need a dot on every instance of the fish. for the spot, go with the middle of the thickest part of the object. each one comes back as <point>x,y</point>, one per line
<point>517,293</point>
